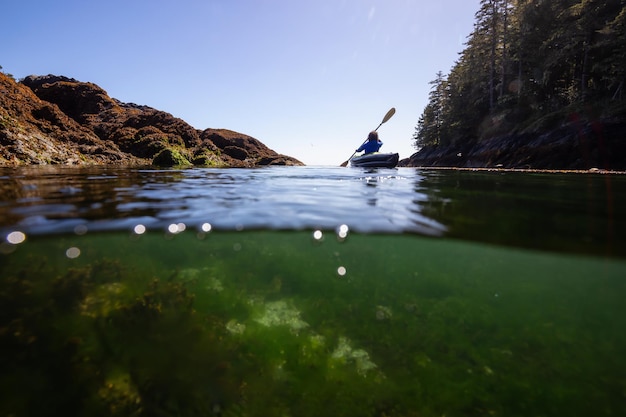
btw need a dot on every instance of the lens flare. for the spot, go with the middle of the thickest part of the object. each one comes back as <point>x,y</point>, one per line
<point>80,230</point>
<point>15,238</point>
<point>175,228</point>
<point>140,229</point>
<point>342,231</point>
<point>72,253</point>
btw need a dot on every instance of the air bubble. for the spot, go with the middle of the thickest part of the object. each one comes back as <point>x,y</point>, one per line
<point>140,229</point>
<point>80,230</point>
<point>72,253</point>
<point>15,238</point>
<point>342,231</point>
<point>175,228</point>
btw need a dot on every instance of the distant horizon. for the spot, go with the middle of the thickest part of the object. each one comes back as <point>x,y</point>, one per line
<point>309,80</point>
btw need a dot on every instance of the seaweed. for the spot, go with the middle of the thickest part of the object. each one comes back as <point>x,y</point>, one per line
<point>183,327</point>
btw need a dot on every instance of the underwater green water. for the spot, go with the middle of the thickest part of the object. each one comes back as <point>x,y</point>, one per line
<point>271,323</point>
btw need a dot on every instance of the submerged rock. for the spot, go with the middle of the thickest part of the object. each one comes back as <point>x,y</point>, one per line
<point>346,354</point>
<point>214,284</point>
<point>120,394</point>
<point>383,313</point>
<point>194,275</point>
<point>234,327</point>
<point>281,313</point>
<point>104,299</point>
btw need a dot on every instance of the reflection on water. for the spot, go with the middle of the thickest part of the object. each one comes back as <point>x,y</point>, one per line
<point>274,198</point>
<point>571,212</point>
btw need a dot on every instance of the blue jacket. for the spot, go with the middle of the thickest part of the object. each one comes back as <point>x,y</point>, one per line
<point>370,146</point>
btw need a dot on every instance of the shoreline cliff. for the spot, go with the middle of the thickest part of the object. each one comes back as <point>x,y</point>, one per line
<point>575,145</point>
<point>59,120</point>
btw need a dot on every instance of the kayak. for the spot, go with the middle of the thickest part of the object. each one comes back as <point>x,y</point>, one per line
<point>376,160</point>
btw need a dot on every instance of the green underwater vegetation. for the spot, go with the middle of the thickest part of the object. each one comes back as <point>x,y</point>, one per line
<point>287,324</point>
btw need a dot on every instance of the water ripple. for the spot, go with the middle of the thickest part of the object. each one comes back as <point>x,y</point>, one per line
<point>290,198</point>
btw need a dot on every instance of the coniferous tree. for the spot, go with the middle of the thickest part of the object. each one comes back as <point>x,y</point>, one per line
<point>428,130</point>
<point>526,59</point>
<point>611,47</point>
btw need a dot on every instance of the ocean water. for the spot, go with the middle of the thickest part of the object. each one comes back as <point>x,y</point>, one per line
<point>308,291</point>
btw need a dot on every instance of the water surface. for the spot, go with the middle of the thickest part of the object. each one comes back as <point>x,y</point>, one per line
<point>311,291</point>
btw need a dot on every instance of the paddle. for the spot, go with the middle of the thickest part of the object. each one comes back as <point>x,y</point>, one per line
<point>387,117</point>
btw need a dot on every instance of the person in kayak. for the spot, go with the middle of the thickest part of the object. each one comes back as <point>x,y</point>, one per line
<point>372,144</point>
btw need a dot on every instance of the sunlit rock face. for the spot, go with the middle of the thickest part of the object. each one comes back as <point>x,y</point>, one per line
<point>59,120</point>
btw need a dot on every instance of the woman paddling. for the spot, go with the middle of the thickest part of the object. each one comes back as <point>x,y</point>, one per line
<point>372,144</point>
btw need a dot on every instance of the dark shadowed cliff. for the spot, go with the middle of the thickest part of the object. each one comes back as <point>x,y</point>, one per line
<point>58,120</point>
<point>576,145</point>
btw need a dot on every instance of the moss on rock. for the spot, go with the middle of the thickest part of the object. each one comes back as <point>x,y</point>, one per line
<point>170,157</point>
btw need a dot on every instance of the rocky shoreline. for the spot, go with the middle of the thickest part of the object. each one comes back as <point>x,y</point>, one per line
<point>598,145</point>
<point>59,120</point>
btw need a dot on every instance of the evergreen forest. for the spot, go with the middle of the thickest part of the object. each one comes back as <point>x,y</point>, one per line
<point>529,66</point>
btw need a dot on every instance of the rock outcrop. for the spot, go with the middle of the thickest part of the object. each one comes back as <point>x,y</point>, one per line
<point>577,145</point>
<point>59,120</point>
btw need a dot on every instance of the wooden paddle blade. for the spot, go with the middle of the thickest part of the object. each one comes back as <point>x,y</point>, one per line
<point>390,113</point>
<point>345,164</point>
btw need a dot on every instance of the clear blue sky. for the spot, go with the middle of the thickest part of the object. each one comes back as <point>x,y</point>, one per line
<point>309,79</point>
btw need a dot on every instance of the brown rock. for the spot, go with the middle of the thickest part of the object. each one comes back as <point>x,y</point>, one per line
<point>55,119</point>
<point>33,131</point>
<point>244,150</point>
<point>77,100</point>
<point>236,152</point>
